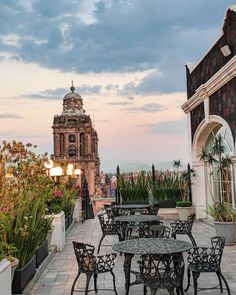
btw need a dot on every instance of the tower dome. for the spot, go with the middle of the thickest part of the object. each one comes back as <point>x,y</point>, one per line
<point>72,103</point>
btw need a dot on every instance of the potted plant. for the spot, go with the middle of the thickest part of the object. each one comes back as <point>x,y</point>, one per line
<point>183,177</point>
<point>219,164</point>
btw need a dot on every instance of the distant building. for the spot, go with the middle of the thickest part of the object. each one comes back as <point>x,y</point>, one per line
<point>211,107</point>
<point>76,140</point>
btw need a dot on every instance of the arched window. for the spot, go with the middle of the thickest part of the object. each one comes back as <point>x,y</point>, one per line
<point>72,151</point>
<point>72,138</point>
<point>62,144</point>
<point>82,144</point>
<point>219,164</point>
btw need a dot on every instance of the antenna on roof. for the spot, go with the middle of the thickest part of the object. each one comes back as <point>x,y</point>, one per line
<point>72,86</point>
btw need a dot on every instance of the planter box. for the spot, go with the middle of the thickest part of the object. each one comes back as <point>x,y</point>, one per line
<point>23,275</point>
<point>5,277</point>
<point>58,234</point>
<point>130,202</point>
<point>227,230</point>
<point>184,212</point>
<point>167,203</point>
<point>41,253</point>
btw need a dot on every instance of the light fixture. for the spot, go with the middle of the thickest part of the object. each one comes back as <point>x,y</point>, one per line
<point>225,50</point>
<point>48,164</point>
<point>55,171</point>
<point>77,171</point>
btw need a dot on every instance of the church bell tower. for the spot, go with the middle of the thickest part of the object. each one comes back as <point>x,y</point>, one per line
<point>76,140</point>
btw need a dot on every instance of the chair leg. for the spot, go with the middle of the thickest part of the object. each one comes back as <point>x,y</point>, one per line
<point>95,276</point>
<point>220,282</point>
<point>171,291</point>
<point>188,283</point>
<point>224,280</point>
<point>173,235</point>
<point>88,277</point>
<point>144,290</point>
<point>114,281</point>
<point>192,239</point>
<point>73,286</point>
<point>153,291</point>
<point>100,242</point>
<point>195,277</point>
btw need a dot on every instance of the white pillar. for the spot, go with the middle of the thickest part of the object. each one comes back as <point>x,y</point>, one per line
<point>199,191</point>
<point>58,234</point>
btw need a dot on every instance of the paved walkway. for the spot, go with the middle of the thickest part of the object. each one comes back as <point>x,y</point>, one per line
<point>58,277</point>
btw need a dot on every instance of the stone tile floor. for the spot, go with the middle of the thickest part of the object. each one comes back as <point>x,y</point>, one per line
<point>58,277</point>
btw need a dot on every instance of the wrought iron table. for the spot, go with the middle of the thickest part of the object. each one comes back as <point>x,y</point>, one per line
<point>138,219</point>
<point>130,208</point>
<point>146,246</point>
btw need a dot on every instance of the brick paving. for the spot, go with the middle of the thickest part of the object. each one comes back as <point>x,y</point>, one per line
<point>58,277</point>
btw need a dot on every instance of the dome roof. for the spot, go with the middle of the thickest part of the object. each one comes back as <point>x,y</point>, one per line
<point>72,103</point>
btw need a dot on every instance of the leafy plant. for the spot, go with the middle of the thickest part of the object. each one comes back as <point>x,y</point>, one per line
<point>218,163</point>
<point>222,211</point>
<point>183,204</point>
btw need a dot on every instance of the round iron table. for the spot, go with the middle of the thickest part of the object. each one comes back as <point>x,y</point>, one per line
<point>146,246</point>
<point>130,208</point>
<point>137,219</point>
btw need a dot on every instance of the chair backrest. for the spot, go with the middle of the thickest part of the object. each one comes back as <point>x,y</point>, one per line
<point>190,220</point>
<point>161,271</point>
<point>218,244</point>
<point>154,231</point>
<point>207,259</point>
<point>109,211</point>
<point>108,226</point>
<point>85,257</point>
<point>153,209</point>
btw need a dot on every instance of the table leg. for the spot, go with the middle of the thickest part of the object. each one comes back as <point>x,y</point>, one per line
<point>127,267</point>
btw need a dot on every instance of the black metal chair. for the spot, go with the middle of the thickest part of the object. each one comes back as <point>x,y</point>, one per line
<point>92,265</point>
<point>153,209</point>
<point>162,272</point>
<point>183,227</point>
<point>207,259</point>
<point>154,231</point>
<point>109,211</point>
<point>108,227</point>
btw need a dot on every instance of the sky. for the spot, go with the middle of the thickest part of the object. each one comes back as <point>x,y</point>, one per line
<point>127,60</point>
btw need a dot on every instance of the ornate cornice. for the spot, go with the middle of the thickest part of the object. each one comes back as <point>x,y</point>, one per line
<point>224,75</point>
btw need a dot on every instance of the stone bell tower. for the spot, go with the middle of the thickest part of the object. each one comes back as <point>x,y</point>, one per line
<point>76,140</point>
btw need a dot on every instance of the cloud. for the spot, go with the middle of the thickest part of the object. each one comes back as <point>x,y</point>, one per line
<point>147,108</point>
<point>113,36</point>
<point>119,103</point>
<point>167,128</point>
<point>59,93</point>
<point>10,116</point>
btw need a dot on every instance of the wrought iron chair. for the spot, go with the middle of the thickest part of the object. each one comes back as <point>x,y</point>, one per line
<point>162,272</point>
<point>108,227</point>
<point>109,211</point>
<point>183,227</point>
<point>92,265</point>
<point>207,259</point>
<point>153,209</point>
<point>154,231</point>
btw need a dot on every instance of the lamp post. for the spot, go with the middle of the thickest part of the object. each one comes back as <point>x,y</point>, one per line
<point>55,172</point>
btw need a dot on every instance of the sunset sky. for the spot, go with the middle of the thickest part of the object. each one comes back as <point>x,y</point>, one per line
<point>127,60</point>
